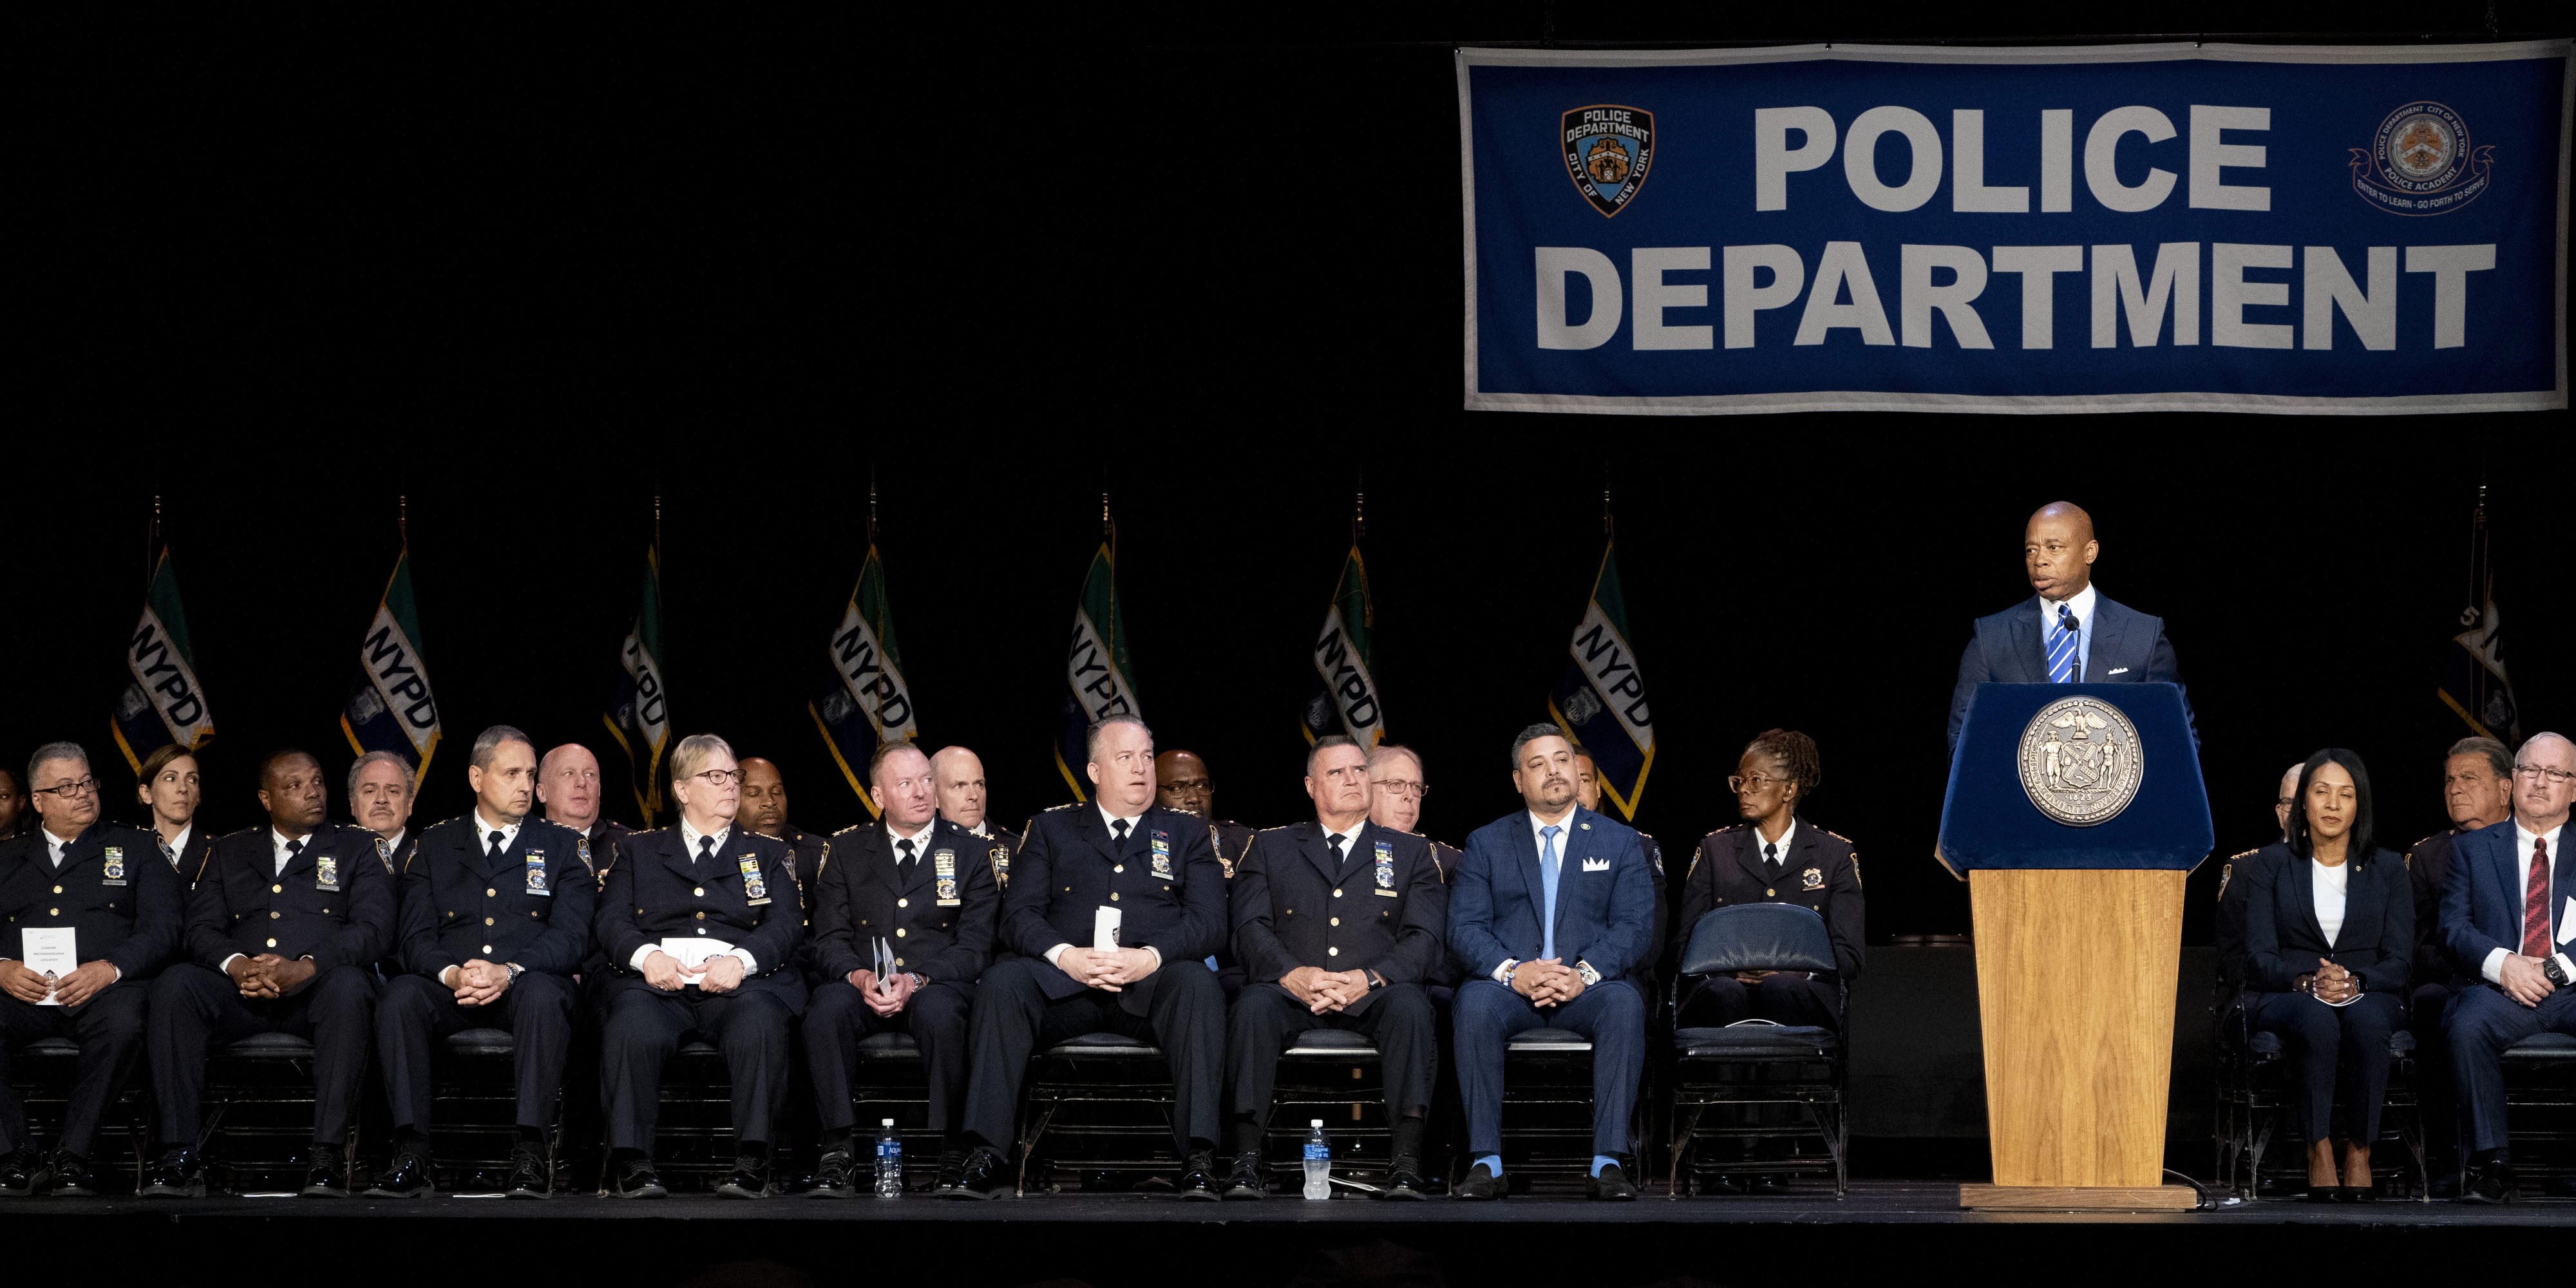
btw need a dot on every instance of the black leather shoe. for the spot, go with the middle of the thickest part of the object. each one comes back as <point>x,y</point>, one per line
<point>1198,1177</point>
<point>1769,1185</point>
<point>1403,1179</point>
<point>1481,1185</point>
<point>749,1179</point>
<point>408,1178</point>
<point>1611,1183</point>
<point>24,1174</point>
<point>835,1175</point>
<point>952,1169</point>
<point>2322,1194</point>
<point>532,1176</point>
<point>328,1178</point>
<point>1248,1179</point>
<point>1720,1183</point>
<point>982,1176</point>
<point>636,1179</point>
<point>72,1178</point>
<point>2490,1183</point>
<point>175,1177</point>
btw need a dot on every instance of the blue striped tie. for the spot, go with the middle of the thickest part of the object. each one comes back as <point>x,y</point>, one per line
<point>2061,647</point>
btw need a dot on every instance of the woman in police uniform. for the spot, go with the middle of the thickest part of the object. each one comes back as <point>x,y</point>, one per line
<point>1773,857</point>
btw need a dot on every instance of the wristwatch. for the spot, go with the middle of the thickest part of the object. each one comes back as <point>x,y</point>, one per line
<point>2304,984</point>
<point>917,980</point>
<point>515,969</point>
<point>1590,976</point>
<point>2550,968</point>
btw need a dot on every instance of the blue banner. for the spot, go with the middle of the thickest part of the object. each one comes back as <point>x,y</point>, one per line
<point>2086,229</point>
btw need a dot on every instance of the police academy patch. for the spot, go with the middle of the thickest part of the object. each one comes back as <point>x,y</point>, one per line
<point>1608,150</point>
<point>2421,162</point>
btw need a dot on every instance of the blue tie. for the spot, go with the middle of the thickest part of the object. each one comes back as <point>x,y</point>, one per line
<point>1547,863</point>
<point>2061,647</point>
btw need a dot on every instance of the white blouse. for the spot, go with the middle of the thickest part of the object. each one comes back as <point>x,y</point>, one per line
<point>2329,884</point>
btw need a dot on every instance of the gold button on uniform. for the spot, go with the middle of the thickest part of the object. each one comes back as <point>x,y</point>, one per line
<point>1332,952</point>
<point>903,903</point>
<point>898,932</point>
<point>1118,867</point>
<point>702,916</point>
<point>487,948</point>
<point>275,889</point>
<point>491,894</point>
<point>1337,921</point>
<point>275,915</point>
<point>700,892</point>
<point>487,921</point>
<point>1337,894</point>
<point>53,912</point>
<point>272,943</point>
<point>58,889</point>
<point>1113,896</point>
<point>1769,893</point>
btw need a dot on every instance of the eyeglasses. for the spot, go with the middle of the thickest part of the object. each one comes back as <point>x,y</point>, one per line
<point>1742,783</point>
<point>719,777</point>
<point>69,791</point>
<point>2537,773</point>
<point>2284,802</point>
<point>1404,787</point>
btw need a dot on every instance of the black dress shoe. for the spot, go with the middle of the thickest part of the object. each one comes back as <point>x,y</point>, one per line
<point>835,1175</point>
<point>408,1178</point>
<point>1481,1185</point>
<point>1611,1184</point>
<point>1720,1183</point>
<point>532,1176</point>
<point>24,1174</point>
<point>328,1178</point>
<point>982,1176</point>
<point>952,1169</point>
<point>1403,1179</point>
<point>636,1179</point>
<point>72,1178</point>
<point>1248,1179</point>
<point>2322,1194</point>
<point>749,1179</point>
<point>1198,1178</point>
<point>2360,1193</point>
<point>175,1177</point>
<point>2490,1183</point>
<point>1769,1185</point>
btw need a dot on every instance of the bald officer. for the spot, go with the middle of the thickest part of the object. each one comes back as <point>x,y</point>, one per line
<point>2066,632</point>
<point>764,810</point>
<point>1181,782</point>
<point>568,792</point>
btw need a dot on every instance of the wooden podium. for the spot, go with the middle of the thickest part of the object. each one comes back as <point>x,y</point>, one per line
<point>2079,942</point>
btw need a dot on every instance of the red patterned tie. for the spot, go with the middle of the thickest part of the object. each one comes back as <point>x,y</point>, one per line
<point>2535,903</point>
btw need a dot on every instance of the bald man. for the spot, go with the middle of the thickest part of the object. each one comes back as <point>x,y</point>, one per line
<point>1181,783</point>
<point>958,780</point>
<point>568,790</point>
<point>2066,632</point>
<point>764,810</point>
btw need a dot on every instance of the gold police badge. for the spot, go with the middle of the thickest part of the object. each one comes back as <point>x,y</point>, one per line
<point>2081,761</point>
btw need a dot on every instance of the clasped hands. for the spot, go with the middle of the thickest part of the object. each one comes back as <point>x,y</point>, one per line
<point>70,990</point>
<point>723,973</point>
<point>1323,990</point>
<point>1108,969</point>
<point>478,982</point>
<point>2523,980</point>
<point>269,975</point>
<point>1547,982</point>
<point>2333,983</point>
<point>884,995</point>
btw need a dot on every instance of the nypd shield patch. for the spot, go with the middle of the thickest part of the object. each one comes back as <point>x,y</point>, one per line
<point>1608,149</point>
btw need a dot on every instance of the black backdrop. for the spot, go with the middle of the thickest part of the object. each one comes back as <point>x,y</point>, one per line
<point>531,275</point>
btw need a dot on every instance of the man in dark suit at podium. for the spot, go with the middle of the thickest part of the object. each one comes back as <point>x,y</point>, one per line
<point>2067,632</point>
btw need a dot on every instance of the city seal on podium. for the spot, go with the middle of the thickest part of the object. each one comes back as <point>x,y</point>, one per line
<point>2081,761</point>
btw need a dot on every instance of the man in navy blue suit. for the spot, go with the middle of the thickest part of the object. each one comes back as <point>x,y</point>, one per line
<point>1552,912</point>
<point>2068,632</point>
<point>2506,920</point>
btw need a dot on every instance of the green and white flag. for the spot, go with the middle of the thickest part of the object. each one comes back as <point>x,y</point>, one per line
<point>639,716</point>
<point>1344,698</point>
<point>1099,680</point>
<point>164,704</point>
<point>390,706</point>
<point>866,702</point>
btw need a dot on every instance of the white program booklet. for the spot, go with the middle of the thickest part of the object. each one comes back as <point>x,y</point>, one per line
<point>692,954</point>
<point>51,951</point>
<point>1104,929</point>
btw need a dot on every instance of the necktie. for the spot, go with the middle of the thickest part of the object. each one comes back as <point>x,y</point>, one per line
<point>903,861</point>
<point>1547,865</point>
<point>2061,647</point>
<point>2535,902</point>
<point>1771,855</point>
<point>294,848</point>
<point>1118,834</point>
<point>1334,843</point>
<point>706,847</point>
<point>492,845</point>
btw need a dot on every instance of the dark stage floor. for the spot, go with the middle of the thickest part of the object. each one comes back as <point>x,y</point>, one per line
<point>1882,1227</point>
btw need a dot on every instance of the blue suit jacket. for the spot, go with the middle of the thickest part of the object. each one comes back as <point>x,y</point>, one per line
<point>1605,897</point>
<point>2005,648</point>
<point>2482,902</point>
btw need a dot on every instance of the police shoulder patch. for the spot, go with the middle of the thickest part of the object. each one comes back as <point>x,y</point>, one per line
<point>1731,827</point>
<point>1836,835</point>
<point>2246,855</point>
<point>854,827</point>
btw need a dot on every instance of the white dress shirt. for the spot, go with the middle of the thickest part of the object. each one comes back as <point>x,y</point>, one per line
<point>55,846</point>
<point>1779,847</point>
<point>180,846</point>
<point>689,838</point>
<point>277,851</point>
<point>2493,966</point>
<point>1111,822</point>
<point>920,840</point>
<point>2082,603</point>
<point>484,828</point>
<point>2329,882</point>
<point>393,843</point>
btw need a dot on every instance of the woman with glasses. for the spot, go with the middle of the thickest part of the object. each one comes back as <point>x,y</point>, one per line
<point>169,790</point>
<point>2330,940</point>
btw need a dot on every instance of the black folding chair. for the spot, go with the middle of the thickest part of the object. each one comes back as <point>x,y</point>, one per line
<point>474,1089</point>
<point>1338,1076</point>
<point>43,1075</point>
<point>1105,1080</point>
<point>891,1080</point>
<point>2254,1103</point>
<point>2540,1106</point>
<point>1755,1062</point>
<point>258,1127</point>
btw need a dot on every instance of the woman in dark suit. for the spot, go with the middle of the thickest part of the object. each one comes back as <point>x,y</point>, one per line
<point>2329,936</point>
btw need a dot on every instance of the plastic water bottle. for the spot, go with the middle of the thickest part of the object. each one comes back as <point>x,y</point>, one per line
<point>1319,1161</point>
<point>889,1161</point>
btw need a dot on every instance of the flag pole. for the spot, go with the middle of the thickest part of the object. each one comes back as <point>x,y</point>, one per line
<point>152,542</point>
<point>1608,530</point>
<point>1359,507</point>
<point>402,518</point>
<point>872,505</point>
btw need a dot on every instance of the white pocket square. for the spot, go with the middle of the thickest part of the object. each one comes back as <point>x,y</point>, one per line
<point>1596,865</point>
<point>2567,922</point>
<point>2118,670</point>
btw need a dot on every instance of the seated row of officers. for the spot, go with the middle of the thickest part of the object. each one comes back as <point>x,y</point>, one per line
<point>1122,915</point>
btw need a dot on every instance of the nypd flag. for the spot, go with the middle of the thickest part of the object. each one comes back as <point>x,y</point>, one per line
<point>1344,699</point>
<point>390,707</point>
<point>639,716</point>
<point>2172,227</point>
<point>163,704</point>
<point>1600,698</point>
<point>1099,680</point>
<point>866,702</point>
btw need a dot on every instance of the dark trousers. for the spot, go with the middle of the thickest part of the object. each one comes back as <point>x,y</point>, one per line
<point>2332,1049</point>
<point>1785,997</point>
<point>1610,1013</point>
<point>2424,1015</point>
<point>2482,1023</point>
<point>1013,1018</point>
<point>418,1012</point>
<point>1398,1022</point>
<point>109,1028</point>
<point>643,1028</point>
<point>935,1017</point>
<point>194,1007</point>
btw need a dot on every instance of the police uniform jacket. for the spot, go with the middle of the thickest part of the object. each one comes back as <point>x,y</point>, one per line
<point>191,856</point>
<point>1231,841</point>
<point>746,895</point>
<point>332,903</point>
<point>997,845</point>
<point>1820,872</point>
<point>2428,865</point>
<point>1384,909</point>
<point>114,890</point>
<point>531,905</point>
<point>806,848</point>
<point>1165,882</point>
<point>603,837</point>
<point>939,918</point>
